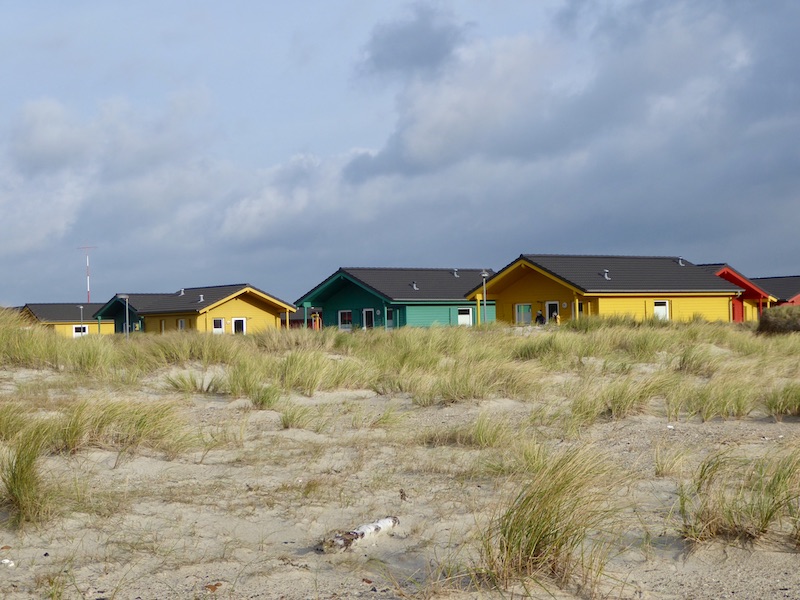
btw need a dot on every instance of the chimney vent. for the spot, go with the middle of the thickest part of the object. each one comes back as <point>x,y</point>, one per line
<point>414,286</point>
<point>182,292</point>
<point>680,261</point>
<point>606,275</point>
<point>201,298</point>
<point>455,273</point>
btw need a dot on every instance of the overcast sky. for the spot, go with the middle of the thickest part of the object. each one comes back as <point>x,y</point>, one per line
<point>194,143</point>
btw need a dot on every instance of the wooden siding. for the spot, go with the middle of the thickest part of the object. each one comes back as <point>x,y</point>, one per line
<point>67,329</point>
<point>353,298</point>
<point>528,286</point>
<point>681,308</point>
<point>259,316</point>
<point>534,289</point>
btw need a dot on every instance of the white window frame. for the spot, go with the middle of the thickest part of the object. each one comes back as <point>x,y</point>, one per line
<point>215,329</point>
<point>243,321</point>
<point>163,325</point>
<point>181,324</point>
<point>76,331</point>
<point>346,326</point>
<point>389,318</point>
<point>659,304</point>
<point>517,313</point>
<point>548,312</point>
<point>364,312</point>
<point>459,314</point>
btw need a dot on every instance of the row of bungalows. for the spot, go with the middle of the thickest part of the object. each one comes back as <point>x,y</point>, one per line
<point>561,287</point>
<point>233,309</point>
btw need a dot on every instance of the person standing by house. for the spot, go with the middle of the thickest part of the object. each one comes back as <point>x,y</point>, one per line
<point>556,318</point>
<point>539,318</point>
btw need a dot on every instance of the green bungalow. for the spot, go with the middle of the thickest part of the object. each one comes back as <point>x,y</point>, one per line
<point>395,297</point>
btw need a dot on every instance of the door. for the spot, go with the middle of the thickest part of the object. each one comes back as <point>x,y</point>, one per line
<point>239,326</point>
<point>218,326</point>
<point>368,318</point>
<point>389,318</point>
<point>661,310</point>
<point>465,316</point>
<point>738,310</point>
<point>552,309</point>
<point>523,314</point>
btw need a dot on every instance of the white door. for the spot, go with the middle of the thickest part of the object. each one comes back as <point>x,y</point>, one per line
<point>661,310</point>
<point>465,316</point>
<point>218,326</point>
<point>389,318</point>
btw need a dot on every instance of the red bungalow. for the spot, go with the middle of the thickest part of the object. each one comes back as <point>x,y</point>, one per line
<point>749,304</point>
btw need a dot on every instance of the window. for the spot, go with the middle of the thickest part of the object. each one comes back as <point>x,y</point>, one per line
<point>368,318</point>
<point>346,320</point>
<point>523,314</point>
<point>239,326</point>
<point>163,325</point>
<point>181,324</point>
<point>661,310</point>
<point>79,331</point>
<point>218,326</point>
<point>465,316</point>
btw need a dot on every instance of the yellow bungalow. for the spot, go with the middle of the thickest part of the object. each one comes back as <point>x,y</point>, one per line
<point>69,319</point>
<point>567,287</point>
<point>232,309</point>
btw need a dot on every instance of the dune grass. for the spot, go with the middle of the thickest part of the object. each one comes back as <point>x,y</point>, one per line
<point>733,497</point>
<point>558,525</point>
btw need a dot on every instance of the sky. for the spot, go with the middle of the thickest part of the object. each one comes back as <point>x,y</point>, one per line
<point>195,142</point>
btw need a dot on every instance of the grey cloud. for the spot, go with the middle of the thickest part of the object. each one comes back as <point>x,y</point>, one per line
<point>421,44</point>
<point>683,71</point>
<point>47,138</point>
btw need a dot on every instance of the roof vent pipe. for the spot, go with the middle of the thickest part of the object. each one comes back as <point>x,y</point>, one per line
<point>182,292</point>
<point>414,286</point>
<point>680,261</point>
<point>201,298</point>
<point>455,273</point>
<point>606,276</point>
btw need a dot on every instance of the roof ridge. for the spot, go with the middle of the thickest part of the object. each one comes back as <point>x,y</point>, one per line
<point>609,255</point>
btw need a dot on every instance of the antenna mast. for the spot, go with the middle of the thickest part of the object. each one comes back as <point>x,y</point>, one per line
<point>88,288</point>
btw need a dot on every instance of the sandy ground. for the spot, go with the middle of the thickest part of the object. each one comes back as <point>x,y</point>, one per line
<point>245,519</point>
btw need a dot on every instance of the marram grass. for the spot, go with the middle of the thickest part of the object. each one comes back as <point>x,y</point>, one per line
<point>558,525</point>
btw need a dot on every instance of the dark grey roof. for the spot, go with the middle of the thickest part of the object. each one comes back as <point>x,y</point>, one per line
<point>398,284</point>
<point>783,288</point>
<point>64,312</point>
<point>631,274</point>
<point>185,300</point>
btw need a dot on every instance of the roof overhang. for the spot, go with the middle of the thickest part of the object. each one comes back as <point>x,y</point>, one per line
<point>251,292</point>
<point>514,270</point>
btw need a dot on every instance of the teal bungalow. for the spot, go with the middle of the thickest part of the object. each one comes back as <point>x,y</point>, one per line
<point>365,298</point>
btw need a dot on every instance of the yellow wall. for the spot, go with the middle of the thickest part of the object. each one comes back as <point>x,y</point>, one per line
<point>681,308</point>
<point>260,315</point>
<point>67,329</point>
<point>535,289</point>
<point>751,310</point>
<point>524,285</point>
